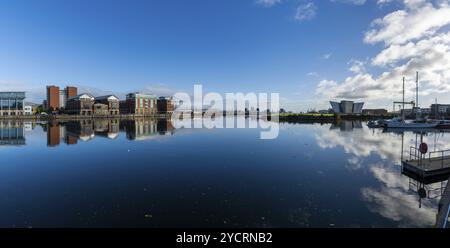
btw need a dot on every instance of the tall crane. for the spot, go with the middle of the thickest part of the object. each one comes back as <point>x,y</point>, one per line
<point>412,103</point>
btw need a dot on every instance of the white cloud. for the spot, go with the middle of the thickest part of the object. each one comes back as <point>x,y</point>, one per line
<point>418,19</point>
<point>396,53</point>
<point>268,3</point>
<point>412,43</point>
<point>159,90</point>
<point>395,204</point>
<point>357,66</point>
<point>384,2</point>
<point>306,12</point>
<point>355,87</point>
<point>355,2</point>
<point>327,56</point>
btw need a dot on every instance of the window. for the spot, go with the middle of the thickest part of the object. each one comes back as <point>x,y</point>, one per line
<point>13,103</point>
<point>5,103</point>
<point>20,104</point>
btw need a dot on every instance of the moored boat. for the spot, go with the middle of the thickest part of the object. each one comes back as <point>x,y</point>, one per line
<point>375,123</point>
<point>443,124</point>
<point>372,124</point>
<point>400,123</point>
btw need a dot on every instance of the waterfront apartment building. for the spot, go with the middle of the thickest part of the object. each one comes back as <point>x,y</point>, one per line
<point>139,104</point>
<point>165,105</point>
<point>57,99</point>
<point>107,105</point>
<point>82,104</point>
<point>440,109</point>
<point>347,107</point>
<point>12,103</point>
<point>425,111</point>
<point>375,112</point>
<point>100,109</point>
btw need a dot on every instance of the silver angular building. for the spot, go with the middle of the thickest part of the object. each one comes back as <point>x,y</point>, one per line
<point>347,107</point>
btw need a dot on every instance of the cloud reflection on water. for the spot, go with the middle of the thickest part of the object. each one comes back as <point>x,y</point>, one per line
<point>395,198</point>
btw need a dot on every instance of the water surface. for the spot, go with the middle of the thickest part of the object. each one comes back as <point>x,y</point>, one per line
<point>146,173</point>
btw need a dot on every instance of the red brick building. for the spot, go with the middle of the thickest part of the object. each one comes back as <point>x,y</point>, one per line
<point>139,104</point>
<point>165,105</point>
<point>52,98</point>
<point>111,101</point>
<point>57,99</point>
<point>82,104</point>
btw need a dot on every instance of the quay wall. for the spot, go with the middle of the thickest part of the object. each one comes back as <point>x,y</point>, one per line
<point>79,117</point>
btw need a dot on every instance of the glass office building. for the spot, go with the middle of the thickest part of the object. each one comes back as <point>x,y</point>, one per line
<point>12,103</point>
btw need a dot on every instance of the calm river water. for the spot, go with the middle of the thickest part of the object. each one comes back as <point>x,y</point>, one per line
<point>146,173</point>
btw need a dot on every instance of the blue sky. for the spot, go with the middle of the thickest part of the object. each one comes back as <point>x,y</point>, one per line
<point>290,46</point>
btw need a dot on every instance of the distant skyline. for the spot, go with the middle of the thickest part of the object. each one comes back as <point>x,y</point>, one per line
<point>310,52</point>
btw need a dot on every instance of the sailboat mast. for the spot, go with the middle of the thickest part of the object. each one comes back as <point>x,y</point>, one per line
<point>417,89</point>
<point>403,101</point>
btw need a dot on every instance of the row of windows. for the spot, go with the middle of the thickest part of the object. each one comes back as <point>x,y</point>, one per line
<point>11,104</point>
<point>12,112</point>
<point>143,102</point>
<point>19,95</point>
<point>6,133</point>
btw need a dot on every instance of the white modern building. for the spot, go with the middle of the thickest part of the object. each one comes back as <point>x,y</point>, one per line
<point>28,110</point>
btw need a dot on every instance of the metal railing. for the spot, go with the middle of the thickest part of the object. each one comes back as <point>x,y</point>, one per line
<point>415,154</point>
<point>442,156</point>
<point>432,192</point>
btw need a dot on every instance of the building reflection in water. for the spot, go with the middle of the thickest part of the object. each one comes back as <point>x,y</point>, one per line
<point>107,128</point>
<point>28,126</point>
<point>55,132</point>
<point>347,125</point>
<point>12,133</point>
<point>79,130</point>
<point>139,129</point>
<point>70,132</point>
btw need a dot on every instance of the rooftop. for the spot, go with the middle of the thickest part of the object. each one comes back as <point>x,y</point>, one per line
<point>81,95</point>
<point>142,94</point>
<point>106,97</point>
<point>12,94</point>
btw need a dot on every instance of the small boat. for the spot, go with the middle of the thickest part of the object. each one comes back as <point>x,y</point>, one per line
<point>375,123</point>
<point>443,124</point>
<point>417,124</point>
